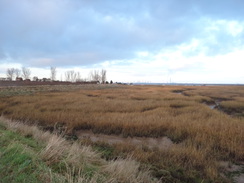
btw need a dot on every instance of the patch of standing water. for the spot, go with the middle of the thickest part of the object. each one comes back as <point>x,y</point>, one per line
<point>234,169</point>
<point>216,105</point>
<point>212,106</point>
<point>239,179</point>
<point>160,143</point>
<point>180,93</point>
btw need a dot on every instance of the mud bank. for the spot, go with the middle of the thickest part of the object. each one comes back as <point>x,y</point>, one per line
<point>161,143</point>
<point>235,171</point>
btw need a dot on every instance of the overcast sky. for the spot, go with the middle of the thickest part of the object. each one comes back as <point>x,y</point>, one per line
<point>199,41</point>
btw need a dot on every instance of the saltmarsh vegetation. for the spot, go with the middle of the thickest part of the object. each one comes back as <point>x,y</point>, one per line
<point>203,137</point>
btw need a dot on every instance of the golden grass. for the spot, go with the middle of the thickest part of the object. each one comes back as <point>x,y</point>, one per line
<point>178,164</point>
<point>125,171</point>
<point>206,135</point>
<point>233,106</point>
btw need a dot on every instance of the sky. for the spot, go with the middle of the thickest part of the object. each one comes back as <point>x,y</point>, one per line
<point>177,41</point>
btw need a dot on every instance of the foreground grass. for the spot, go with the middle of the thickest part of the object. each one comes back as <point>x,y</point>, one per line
<point>30,155</point>
<point>19,161</point>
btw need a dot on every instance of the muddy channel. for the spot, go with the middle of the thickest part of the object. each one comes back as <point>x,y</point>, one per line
<point>161,143</point>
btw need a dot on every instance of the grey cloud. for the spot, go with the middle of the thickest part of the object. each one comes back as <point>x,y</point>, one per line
<point>72,32</point>
<point>225,9</point>
<point>2,54</point>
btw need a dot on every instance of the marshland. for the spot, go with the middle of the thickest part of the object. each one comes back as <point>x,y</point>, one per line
<point>173,133</point>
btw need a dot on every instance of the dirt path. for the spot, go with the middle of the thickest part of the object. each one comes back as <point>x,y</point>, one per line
<point>161,143</point>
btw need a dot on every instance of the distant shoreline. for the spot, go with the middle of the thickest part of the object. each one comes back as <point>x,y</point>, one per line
<point>189,84</point>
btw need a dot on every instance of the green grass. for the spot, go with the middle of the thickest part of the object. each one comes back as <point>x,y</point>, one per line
<point>105,149</point>
<point>18,159</point>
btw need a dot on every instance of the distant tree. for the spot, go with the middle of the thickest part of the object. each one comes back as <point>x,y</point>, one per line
<point>67,76</point>
<point>103,76</point>
<point>111,82</point>
<point>95,76</point>
<point>72,76</point>
<point>10,73</point>
<point>18,72</point>
<point>26,73</point>
<point>78,77</point>
<point>53,73</point>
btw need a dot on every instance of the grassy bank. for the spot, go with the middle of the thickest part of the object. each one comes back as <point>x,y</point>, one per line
<point>30,155</point>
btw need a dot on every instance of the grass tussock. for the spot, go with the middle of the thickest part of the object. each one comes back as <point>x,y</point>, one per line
<point>126,171</point>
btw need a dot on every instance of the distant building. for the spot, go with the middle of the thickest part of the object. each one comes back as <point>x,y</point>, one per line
<point>8,79</point>
<point>79,80</point>
<point>46,80</point>
<point>19,79</point>
<point>3,79</point>
<point>35,78</point>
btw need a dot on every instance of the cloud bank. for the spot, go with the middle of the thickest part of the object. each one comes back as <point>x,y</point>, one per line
<point>82,33</point>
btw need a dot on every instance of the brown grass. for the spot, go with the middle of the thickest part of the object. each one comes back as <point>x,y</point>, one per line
<point>206,135</point>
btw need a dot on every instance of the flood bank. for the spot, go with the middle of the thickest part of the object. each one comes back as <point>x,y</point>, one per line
<point>161,143</point>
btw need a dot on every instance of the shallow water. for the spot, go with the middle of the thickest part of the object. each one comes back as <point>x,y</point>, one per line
<point>212,106</point>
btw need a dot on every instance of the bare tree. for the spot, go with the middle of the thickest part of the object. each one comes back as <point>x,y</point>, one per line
<point>18,72</point>
<point>78,77</point>
<point>103,76</point>
<point>10,73</point>
<point>73,76</point>
<point>53,73</point>
<point>70,76</point>
<point>26,73</point>
<point>95,76</point>
<point>67,76</point>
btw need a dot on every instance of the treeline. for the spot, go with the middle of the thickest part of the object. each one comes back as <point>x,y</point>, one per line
<point>69,76</point>
<point>13,72</point>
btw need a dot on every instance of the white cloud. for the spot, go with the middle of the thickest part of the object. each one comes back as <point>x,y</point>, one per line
<point>6,65</point>
<point>235,28</point>
<point>142,54</point>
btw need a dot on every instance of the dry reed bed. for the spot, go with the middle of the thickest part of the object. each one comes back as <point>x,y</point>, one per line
<point>206,136</point>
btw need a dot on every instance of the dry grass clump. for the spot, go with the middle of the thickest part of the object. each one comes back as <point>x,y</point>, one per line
<point>26,131</point>
<point>76,163</point>
<point>54,150</point>
<point>178,164</point>
<point>125,171</point>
